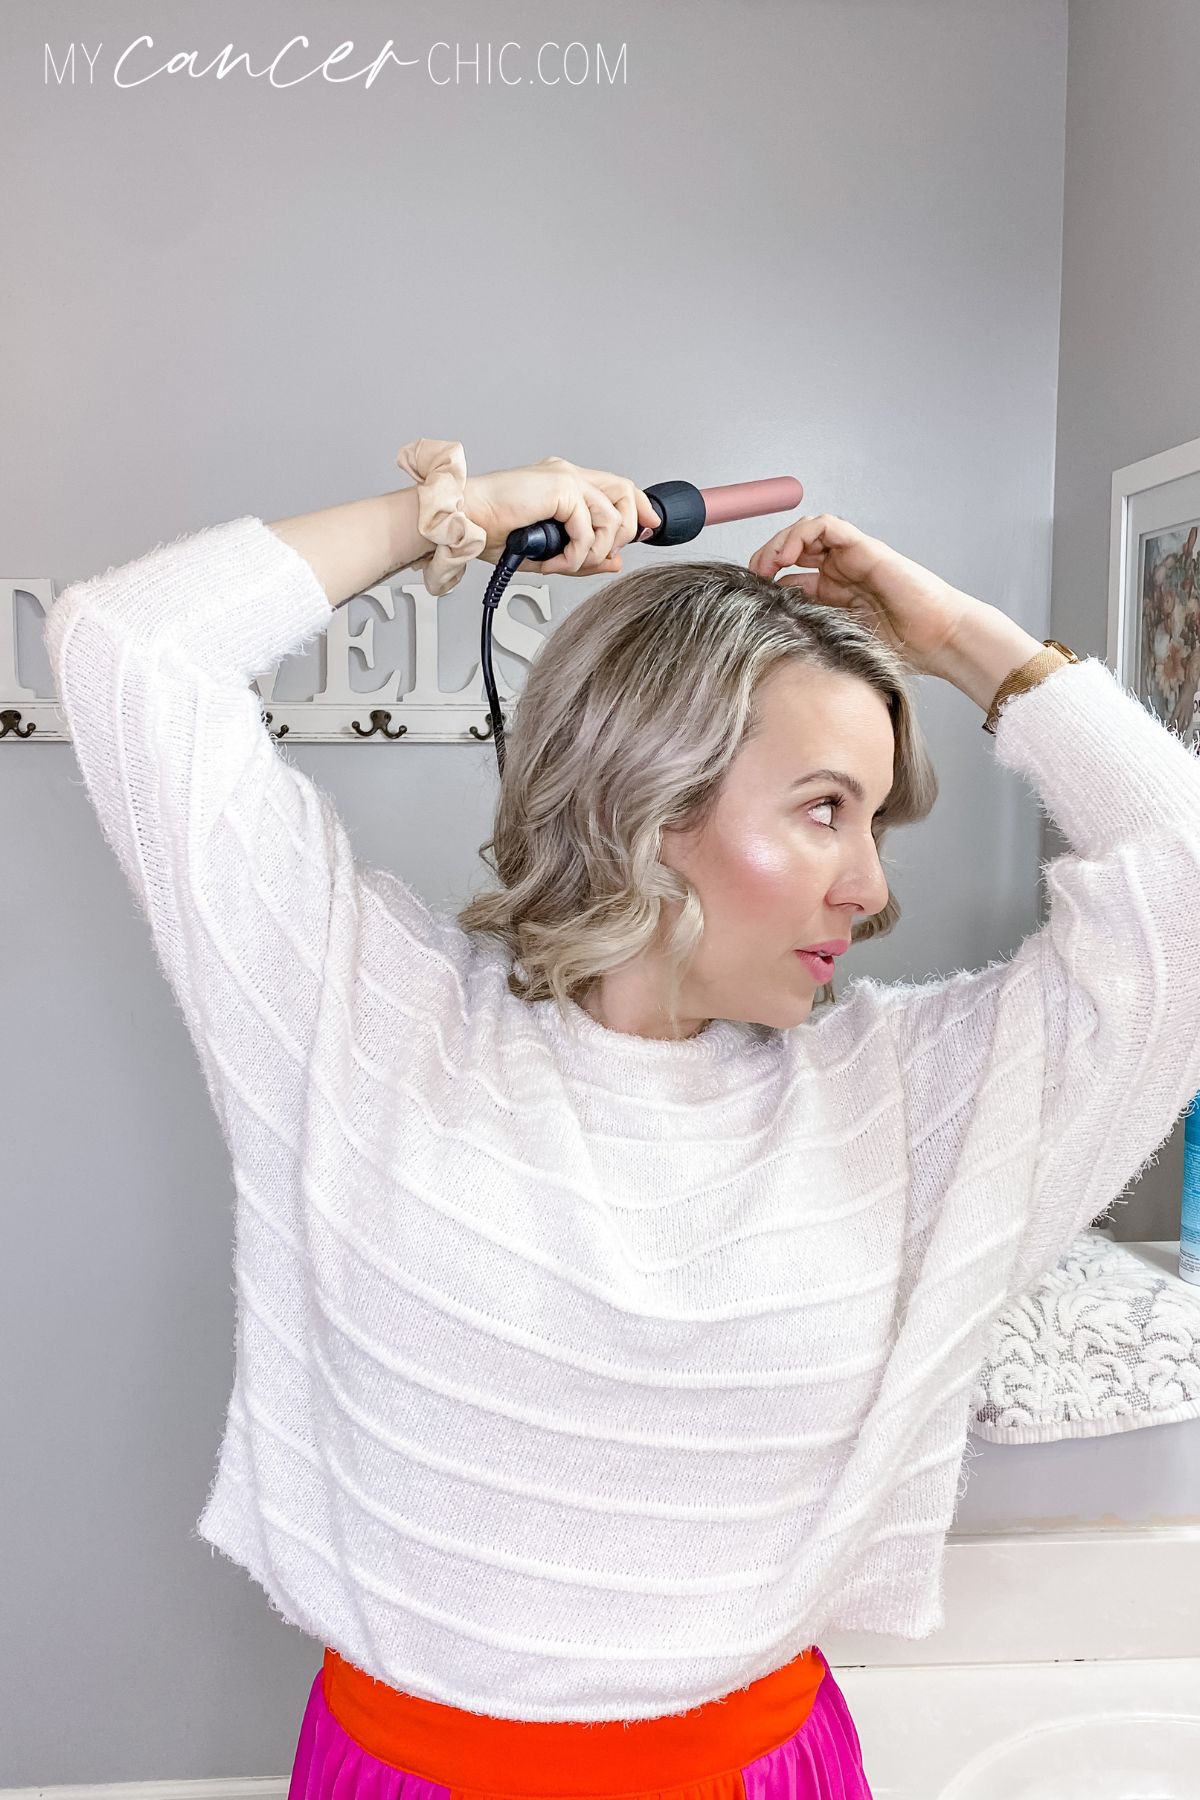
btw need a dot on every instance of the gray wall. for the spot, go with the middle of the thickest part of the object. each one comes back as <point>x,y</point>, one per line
<point>1129,381</point>
<point>817,236</point>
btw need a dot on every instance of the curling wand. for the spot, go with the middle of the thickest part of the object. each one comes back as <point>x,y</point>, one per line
<point>684,510</point>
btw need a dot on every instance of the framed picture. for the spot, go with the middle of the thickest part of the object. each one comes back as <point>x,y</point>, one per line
<point>1154,586</point>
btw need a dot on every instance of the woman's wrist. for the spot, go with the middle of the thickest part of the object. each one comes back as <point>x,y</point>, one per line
<point>408,546</point>
<point>986,647</point>
<point>354,547</point>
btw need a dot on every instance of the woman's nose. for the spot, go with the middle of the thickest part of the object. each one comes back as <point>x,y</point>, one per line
<point>862,884</point>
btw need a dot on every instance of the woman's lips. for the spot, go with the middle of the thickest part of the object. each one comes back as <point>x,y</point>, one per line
<point>820,966</point>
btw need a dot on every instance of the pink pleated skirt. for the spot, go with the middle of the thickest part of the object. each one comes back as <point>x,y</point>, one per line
<point>821,1760</point>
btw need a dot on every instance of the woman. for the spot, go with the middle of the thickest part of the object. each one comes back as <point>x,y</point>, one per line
<point>607,1318</point>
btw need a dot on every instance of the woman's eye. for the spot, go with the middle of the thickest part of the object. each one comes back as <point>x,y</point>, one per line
<point>833,802</point>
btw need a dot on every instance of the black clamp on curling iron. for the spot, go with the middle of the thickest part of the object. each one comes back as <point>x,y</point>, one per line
<point>684,511</point>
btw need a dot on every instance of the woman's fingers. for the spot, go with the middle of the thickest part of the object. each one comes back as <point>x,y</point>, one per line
<point>635,510</point>
<point>601,512</point>
<point>792,545</point>
<point>645,513</point>
<point>606,520</point>
<point>621,491</point>
<point>779,550</point>
<point>592,523</point>
<point>806,540</point>
<point>631,501</point>
<point>573,512</point>
<point>626,505</point>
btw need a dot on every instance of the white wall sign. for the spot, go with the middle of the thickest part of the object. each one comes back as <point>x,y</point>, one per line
<point>337,713</point>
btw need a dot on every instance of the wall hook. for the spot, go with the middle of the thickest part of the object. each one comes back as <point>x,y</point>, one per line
<point>10,721</point>
<point>381,720</point>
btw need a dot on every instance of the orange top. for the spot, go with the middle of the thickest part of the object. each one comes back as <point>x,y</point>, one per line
<point>542,1757</point>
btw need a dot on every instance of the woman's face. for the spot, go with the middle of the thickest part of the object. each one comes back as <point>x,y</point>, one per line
<point>777,867</point>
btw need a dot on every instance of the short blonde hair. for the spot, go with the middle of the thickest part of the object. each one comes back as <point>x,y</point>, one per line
<point>627,723</point>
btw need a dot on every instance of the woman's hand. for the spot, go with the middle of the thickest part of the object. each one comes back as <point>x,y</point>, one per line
<point>911,609</point>
<point>601,512</point>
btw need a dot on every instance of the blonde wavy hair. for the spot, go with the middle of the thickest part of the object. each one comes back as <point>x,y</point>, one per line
<point>627,723</point>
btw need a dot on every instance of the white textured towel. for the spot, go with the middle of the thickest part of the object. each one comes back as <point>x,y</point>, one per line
<point>1102,1343</point>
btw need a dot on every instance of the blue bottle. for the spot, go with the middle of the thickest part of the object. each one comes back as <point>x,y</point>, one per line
<point>1189,1223</point>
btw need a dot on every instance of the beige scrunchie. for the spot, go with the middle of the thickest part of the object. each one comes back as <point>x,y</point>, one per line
<point>441,468</point>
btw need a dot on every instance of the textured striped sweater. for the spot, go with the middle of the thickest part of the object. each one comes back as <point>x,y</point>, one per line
<point>582,1375</point>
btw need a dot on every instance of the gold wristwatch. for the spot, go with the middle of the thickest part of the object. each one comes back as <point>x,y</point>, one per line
<point>1027,676</point>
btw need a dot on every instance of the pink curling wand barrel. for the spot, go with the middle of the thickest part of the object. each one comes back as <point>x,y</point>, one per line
<point>687,509</point>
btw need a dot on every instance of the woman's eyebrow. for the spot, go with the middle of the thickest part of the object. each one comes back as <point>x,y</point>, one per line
<point>847,781</point>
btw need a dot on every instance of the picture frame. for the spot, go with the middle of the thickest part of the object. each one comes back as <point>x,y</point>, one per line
<point>1154,586</point>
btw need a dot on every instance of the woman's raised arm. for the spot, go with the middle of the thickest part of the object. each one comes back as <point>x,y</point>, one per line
<point>1067,1066</point>
<point>258,911</point>
<point>238,861</point>
<point>353,547</point>
<point>1037,1088</point>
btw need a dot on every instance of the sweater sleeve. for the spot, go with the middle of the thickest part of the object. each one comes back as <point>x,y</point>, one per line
<point>1085,1045</point>
<point>238,861</point>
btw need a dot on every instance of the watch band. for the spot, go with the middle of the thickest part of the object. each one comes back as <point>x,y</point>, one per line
<point>1053,656</point>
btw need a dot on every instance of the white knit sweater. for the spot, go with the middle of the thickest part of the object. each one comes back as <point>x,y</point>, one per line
<point>582,1375</point>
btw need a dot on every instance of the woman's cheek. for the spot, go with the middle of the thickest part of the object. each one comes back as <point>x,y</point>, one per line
<point>763,868</point>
